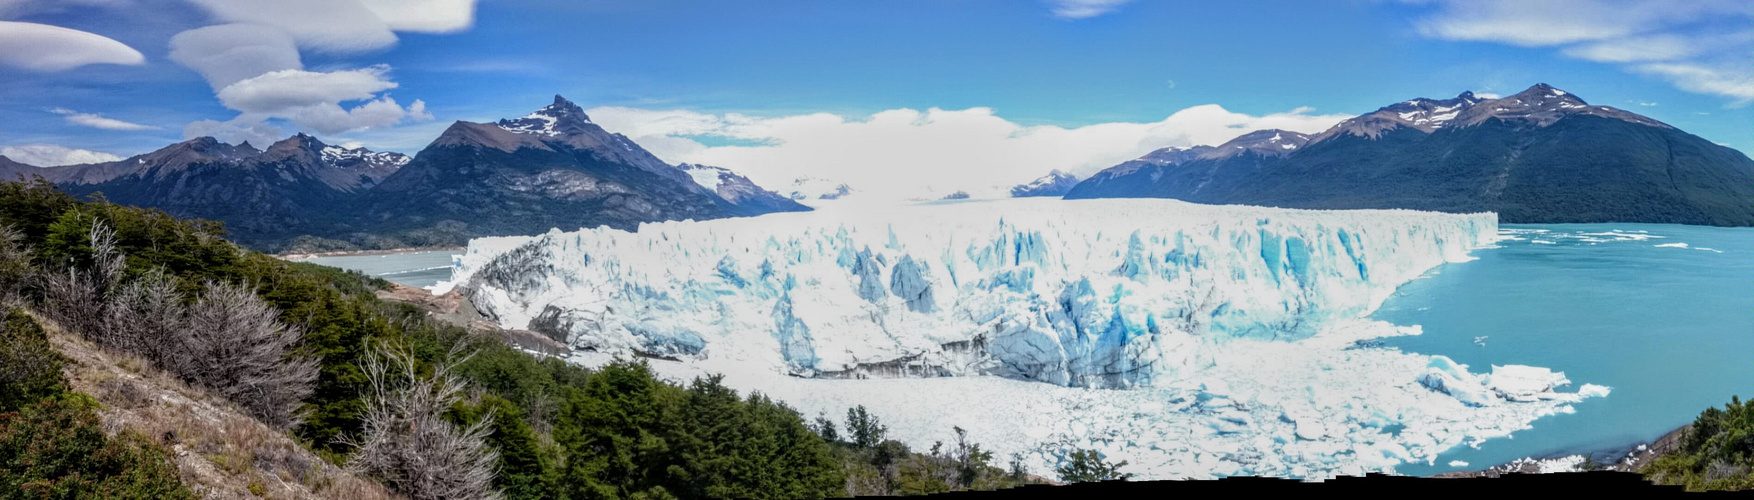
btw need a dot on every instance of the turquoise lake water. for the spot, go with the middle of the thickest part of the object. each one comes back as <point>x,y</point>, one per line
<point>408,268</point>
<point>1669,328</point>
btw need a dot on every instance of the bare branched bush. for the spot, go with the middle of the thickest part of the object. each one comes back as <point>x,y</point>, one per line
<point>146,317</point>
<point>408,444</point>
<point>78,298</point>
<point>235,343</point>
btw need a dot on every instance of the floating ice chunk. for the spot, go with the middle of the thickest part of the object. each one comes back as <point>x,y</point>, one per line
<point>1672,245</point>
<point>1458,463</point>
<point>1524,383</point>
<point>1593,391</point>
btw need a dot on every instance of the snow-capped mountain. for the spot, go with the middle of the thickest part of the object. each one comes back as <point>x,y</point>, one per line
<point>815,188</point>
<point>739,190</point>
<point>1270,142</point>
<point>550,168</point>
<point>1541,155</point>
<point>1055,183</point>
<point>292,186</point>
<point>1423,114</point>
<point>342,157</point>
<point>553,168</point>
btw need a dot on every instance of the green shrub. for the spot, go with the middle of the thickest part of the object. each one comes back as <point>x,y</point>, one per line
<point>29,368</point>
<point>1715,453</point>
<point>1087,466</point>
<point>57,449</point>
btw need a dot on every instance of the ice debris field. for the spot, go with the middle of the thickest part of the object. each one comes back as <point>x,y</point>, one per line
<point>1189,340</point>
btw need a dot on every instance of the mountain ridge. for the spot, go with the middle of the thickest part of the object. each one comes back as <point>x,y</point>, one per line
<point>551,168</point>
<point>1542,155</point>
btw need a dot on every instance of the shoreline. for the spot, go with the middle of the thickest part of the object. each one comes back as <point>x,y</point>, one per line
<point>1630,459</point>
<point>362,253</point>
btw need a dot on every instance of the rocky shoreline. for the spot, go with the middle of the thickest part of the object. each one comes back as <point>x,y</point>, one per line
<point>452,307</point>
<point>1632,461</point>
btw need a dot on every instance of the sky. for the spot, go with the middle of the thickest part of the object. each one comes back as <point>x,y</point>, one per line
<point>964,92</point>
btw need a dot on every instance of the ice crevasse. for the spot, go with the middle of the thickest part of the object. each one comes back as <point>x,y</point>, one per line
<point>1235,328</point>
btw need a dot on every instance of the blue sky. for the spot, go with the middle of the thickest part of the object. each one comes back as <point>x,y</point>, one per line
<point>646,65</point>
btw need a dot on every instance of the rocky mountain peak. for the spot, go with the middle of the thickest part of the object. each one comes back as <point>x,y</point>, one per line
<point>1270,142</point>
<point>561,118</point>
<point>1543,104</point>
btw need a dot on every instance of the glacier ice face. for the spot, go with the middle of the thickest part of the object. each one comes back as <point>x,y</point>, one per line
<point>1236,331</point>
<point>1096,293</point>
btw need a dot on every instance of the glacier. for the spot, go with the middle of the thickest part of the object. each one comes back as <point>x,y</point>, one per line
<point>1191,340</point>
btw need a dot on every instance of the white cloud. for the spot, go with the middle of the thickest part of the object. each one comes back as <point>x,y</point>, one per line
<point>382,112</point>
<point>425,16</point>
<point>278,92</point>
<point>255,67</point>
<point>95,120</point>
<point>325,25</point>
<point>1700,46</point>
<point>51,155</point>
<point>1732,82</point>
<point>1635,49</point>
<point>1082,9</point>
<point>895,152</point>
<point>347,25</point>
<point>245,128</point>
<point>227,53</point>
<point>311,100</point>
<point>41,47</point>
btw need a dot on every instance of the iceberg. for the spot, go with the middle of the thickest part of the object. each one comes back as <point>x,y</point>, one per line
<point>1191,340</point>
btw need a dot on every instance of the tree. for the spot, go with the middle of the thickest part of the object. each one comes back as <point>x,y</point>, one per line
<point>865,430</point>
<point>825,428</point>
<point>1084,466</point>
<point>971,460</point>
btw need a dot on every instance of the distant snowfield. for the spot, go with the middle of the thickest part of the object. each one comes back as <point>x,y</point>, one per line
<point>1190,340</point>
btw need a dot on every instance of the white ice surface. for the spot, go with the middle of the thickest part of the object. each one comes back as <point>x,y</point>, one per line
<point>1228,338</point>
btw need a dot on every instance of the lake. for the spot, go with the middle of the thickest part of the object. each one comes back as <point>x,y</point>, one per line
<point>1663,314</point>
<point>420,269</point>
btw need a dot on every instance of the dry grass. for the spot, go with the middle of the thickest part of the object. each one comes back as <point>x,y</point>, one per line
<point>220,451</point>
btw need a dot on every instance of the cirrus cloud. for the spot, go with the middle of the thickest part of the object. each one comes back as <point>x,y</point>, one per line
<point>95,120</point>
<point>1082,9</point>
<point>1699,46</point>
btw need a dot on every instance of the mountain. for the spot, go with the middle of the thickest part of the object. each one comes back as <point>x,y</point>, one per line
<point>551,168</point>
<point>740,191</point>
<point>815,188</point>
<point>1055,183</point>
<point>260,194</point>
<point>1540,156</point>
